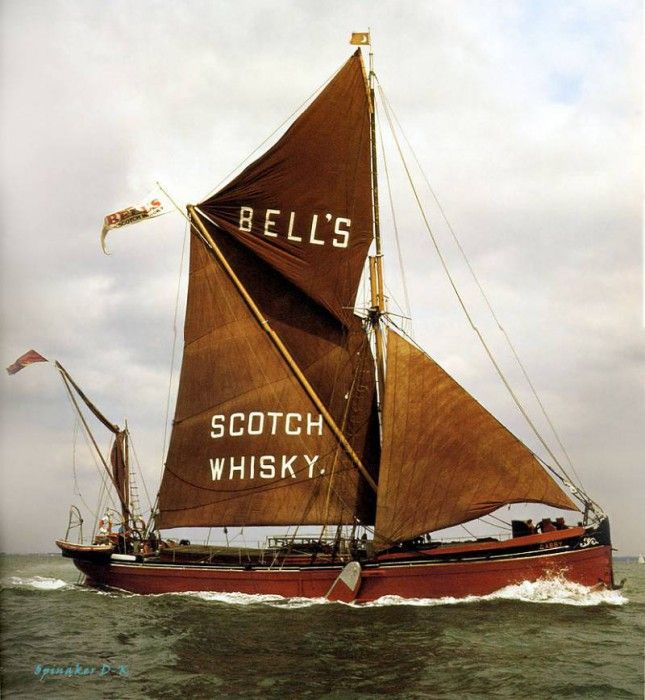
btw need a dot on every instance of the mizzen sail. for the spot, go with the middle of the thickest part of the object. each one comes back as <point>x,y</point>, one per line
<point>121,472</point>
<point>446,459</point>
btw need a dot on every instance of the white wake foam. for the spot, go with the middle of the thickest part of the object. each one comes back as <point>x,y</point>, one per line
<point>42,583</point>
<point>550,591</point>
<point>254,599</point>
<point>545,591</point>
<point>559,591</point>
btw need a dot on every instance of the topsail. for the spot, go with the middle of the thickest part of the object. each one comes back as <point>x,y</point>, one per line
<point>305,206</point>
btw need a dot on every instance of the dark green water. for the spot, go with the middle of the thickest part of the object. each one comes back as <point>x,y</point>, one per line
<point>546,640</point>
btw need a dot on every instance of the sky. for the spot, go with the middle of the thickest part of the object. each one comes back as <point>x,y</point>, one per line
<point>525,116</point>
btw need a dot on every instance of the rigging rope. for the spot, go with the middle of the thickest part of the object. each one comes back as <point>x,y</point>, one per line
<point>77,489</point>
<point>154,507</point>
<point>464,308</point>
<point>88,435</point>
<point>104,491</point>
<point>136,459</point>
<point>484,295</point>
<point>174,345</point>
<point>408,311</point>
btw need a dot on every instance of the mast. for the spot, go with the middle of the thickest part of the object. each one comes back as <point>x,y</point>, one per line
<point>377,300</point>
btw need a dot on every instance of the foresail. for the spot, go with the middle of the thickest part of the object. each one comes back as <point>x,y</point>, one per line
<point>305,206</point>
<point>248,446</point>
<point>445,458</point>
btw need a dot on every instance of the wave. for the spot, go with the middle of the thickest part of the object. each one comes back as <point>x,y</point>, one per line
<point>271,600</point>
<point>554,591</point>
<point>41,583</point>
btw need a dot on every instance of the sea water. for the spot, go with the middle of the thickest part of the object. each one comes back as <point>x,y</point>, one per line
<point>550,639</point>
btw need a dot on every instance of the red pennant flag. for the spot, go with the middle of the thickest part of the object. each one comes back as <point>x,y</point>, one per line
<point>28,358</point>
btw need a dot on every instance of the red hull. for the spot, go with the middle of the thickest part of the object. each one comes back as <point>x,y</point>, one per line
<point>417,579</point>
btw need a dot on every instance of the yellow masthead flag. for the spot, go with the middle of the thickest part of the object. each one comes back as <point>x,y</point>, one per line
<point>360,38</point>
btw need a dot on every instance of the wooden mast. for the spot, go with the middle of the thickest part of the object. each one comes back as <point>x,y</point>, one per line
<point>377,308</point>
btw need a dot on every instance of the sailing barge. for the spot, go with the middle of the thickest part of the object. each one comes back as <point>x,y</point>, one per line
<point>295,409</point>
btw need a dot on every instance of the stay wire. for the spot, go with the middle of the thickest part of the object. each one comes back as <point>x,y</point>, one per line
<point>486,299</point>
<point>104,491</point>
<point>463,305</point>
<point>174,345</point>
<point>143,481</point>
<point>89,438</point>
<point>576,493</point>
<point>153,509</point>
<point>397,240</point>
<point>77,488</point>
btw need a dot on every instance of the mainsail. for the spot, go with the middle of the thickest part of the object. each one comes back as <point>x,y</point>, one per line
<point>248,445</point>
<point>446,459</point>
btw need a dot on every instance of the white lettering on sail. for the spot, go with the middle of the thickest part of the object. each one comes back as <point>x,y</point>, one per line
<point>286,466</point>
<point>275,415</point>
<point>235,417</point>
<point>243,467</point>
<point>344,234</point>
<point>233,468</point>
<point>217,466</point>
<point>256,423</point>
<point>269,223</point>
<point>261,423</point>
<point>267,467</point>
<point>310,462</point>
<point>311,424</point>
<point>290,235</point>
<point>276,226</point>
<point>288,420</point>
<point>246,219</point>
<point>217,425</point>
<point>312,234</point>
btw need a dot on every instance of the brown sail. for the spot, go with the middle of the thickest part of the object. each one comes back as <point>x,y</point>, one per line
<point>319,169</point>
<point>248,446</point>
<point>305,206</point>
<point>446,460</point>
<point>335,357</point>
<point>120,472</point>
